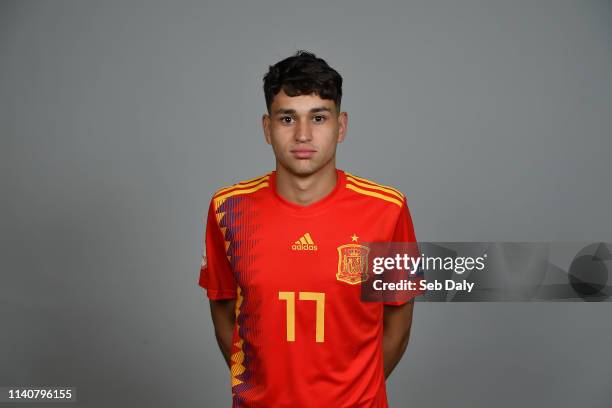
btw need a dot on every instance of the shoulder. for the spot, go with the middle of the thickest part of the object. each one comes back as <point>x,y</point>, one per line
<point>243,187</point>
<point>373,191</point>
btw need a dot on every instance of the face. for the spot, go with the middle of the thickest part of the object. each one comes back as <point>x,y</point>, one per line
<point>303,131</point>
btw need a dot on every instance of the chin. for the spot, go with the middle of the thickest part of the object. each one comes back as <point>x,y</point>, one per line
<point>302,171</point>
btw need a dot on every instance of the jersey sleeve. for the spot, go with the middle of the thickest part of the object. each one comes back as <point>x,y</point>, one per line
<point>404,232</point>
<point>216,275</point>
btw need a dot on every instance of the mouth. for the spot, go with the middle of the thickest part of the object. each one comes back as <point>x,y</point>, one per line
<point>303,153</point>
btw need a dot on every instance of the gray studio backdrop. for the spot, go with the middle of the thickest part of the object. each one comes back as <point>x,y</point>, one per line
<point>119,119</point>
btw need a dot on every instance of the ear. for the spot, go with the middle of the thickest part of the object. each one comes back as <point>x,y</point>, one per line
<point>265,124</point>
<point>342,126</point>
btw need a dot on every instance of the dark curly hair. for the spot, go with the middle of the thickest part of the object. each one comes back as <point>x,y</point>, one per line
<point>303,74</point>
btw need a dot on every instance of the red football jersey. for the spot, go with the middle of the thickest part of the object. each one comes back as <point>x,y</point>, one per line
<point>303,337</point>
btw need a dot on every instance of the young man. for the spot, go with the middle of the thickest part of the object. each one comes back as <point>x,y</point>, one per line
<point>284,259</point>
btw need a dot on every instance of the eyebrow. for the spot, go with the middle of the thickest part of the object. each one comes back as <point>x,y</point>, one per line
<point>292,111</point>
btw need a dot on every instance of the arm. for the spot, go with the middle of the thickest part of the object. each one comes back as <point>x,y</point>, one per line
<point>397,321</point>
<point>223,317</point>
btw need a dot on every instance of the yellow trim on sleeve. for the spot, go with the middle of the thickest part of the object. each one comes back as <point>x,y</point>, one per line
<point>373,194</point>
<point>376,187</point>
<point>241,184</point>
<point>221,199</point>
<point>377,184</point>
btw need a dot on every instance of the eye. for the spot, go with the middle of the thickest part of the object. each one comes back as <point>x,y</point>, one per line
<point>319,118</point>
<point>286,119</point>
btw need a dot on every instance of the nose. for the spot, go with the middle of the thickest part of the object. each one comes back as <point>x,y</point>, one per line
<point>303,132</point>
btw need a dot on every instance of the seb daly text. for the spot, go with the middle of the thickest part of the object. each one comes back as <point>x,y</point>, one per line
<point>403,272</point>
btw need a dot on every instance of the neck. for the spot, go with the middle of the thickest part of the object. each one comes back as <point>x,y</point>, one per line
<point>305,190</point>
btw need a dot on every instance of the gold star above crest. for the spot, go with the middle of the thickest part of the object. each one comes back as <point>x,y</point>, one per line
<point>354,238</point>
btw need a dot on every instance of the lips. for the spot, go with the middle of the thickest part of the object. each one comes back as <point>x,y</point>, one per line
<point>303,153</point>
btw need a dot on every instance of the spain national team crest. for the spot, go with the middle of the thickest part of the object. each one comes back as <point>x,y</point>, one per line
<point>352,263</point>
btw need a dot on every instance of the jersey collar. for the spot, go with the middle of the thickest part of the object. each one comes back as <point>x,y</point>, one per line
<point>314,207</point>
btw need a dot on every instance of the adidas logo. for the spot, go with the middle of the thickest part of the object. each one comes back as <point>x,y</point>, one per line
<point>305,243</point>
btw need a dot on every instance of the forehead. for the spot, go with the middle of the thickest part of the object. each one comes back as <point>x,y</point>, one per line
<point>300,102</point>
